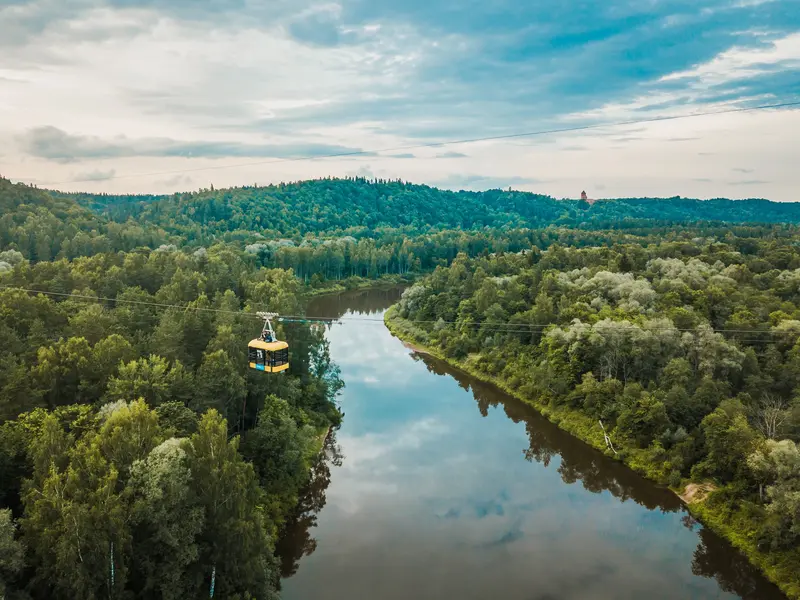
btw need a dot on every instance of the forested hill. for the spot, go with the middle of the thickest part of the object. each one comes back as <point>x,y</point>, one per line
<point>43,226</point>
<point>357,206</point>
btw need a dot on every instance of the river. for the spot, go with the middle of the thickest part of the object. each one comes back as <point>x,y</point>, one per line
<point>438,486</point>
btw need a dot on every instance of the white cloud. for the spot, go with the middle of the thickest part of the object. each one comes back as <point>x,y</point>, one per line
<point>739,63</point>
<point>701,82</point>
<point>370,447</point>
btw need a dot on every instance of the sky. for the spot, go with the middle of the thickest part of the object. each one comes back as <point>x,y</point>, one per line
<point>145,96</point>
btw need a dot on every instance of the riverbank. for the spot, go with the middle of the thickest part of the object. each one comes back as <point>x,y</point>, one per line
<point>734,523</point>
<point>359,283</point>
<point>319,441</point>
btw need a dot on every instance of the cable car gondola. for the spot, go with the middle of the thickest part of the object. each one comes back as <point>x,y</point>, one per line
<point>267,353</point>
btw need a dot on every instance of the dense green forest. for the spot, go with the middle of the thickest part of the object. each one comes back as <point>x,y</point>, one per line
<point>43,226</point>
<point>135,437</point>
<point>333,229</point>
<point>361,207</point>
<point>686,351</point>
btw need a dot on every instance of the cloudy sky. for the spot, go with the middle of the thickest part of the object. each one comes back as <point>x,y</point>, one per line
<point>169,95</point>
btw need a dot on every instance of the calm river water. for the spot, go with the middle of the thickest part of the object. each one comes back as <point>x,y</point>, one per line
<point>441,487</point>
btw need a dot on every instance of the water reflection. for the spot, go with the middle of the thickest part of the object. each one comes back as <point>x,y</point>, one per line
<point>714,557</point>
<point>578,461</point>
<point>438,500</point>
<point>296,540</point>
<point>373,301</point>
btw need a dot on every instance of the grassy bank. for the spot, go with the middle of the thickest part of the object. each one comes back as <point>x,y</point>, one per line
<point>319,442</point>
<point>732,521</point>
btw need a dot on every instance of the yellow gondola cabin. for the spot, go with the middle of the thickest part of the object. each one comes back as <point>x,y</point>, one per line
<point>266,353</point>
<point>272,357</point>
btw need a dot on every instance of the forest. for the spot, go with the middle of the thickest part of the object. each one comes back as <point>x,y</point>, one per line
<point>333,229</point>
<point>140,457</point>
<point>364,208</point>
<point>686,352</point>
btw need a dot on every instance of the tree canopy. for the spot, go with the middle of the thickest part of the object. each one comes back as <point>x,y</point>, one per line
<point>121,424</point>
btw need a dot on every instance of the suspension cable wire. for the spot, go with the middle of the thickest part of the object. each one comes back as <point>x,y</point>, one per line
<point>499,327</point>
<point>183,307</point>
<point>124,301</point>
<point>490,138</point>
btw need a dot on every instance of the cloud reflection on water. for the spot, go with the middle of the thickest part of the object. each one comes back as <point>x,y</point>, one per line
<point>435,499</point>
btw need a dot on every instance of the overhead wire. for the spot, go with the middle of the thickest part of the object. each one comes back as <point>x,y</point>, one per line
<point>125,301</point>
<point>488,138</point>
<point>500,327</point>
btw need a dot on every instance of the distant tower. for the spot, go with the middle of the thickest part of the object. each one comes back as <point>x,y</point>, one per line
<point>585,198</point>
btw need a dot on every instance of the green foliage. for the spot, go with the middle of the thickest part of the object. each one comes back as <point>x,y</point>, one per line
<point>173,508</point>
<point>778,465</point>
<point>60,370</point>
<point>12,552</point>
<point>353,206</point>
<point>166,520</point>
<point>106,436</point>
<point>143,378</point>
<point>177,419</point>
<point>234,539</point>
<point>740,522</point>
<point>277,448</point>
<point>645,420</point>
<point>220,386</point>
<point>729,441</point>
<point>41,226</point>
<point>72,515</point>
<point>128,434</point>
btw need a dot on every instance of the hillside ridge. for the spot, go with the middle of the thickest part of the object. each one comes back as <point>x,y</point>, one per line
<point>356,205</point>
